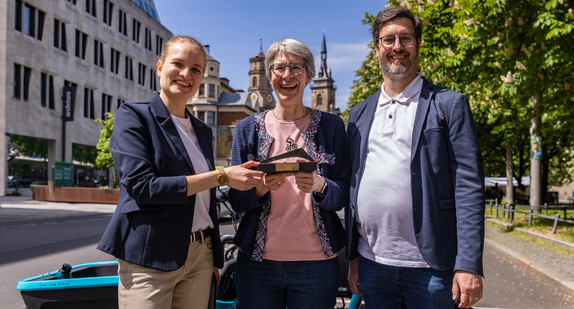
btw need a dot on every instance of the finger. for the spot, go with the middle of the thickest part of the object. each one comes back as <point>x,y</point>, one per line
<point>249,164</point>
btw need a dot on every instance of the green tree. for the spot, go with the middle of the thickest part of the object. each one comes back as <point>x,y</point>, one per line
<point>104,158</point>
<point>502,54</point>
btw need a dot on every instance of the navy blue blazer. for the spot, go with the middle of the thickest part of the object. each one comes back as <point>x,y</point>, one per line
<point>447,178</point>
<point>152,223</point>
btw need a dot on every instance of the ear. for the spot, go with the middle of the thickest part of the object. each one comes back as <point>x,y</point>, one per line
<point>158,66</point>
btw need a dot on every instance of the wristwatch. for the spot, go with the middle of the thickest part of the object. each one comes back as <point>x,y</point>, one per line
<point>323,190</point>
<point>222,178</point>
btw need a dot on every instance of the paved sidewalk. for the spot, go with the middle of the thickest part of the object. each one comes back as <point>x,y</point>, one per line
<point>24,208</point>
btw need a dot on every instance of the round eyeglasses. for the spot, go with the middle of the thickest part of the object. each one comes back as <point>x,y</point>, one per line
<point>388,41</point>
<point>279,69</point>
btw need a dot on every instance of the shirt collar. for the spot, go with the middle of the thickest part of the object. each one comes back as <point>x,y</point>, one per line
<point>406,96</point>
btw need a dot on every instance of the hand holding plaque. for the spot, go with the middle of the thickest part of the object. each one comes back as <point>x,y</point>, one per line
<point>270,168</point>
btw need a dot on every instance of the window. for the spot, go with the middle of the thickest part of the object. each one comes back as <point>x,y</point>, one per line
<point>136,25</point>
<point>22,76</point>
<point>254,82</point>
<point>122,23</point>
<point>158,44</point>
<point>108,12</point>
<point>141,73</point>
<point>60,35</point>
<point>81,41</point>
<point>29,20</point>
<point>129,72</point>
<point>147,39</point>
<point>115,60</point>
<point>91,7</point>
<point>211,90</point>
<point>319,100</point>
<point>120,101</point>
<point>106,105</point>
<point>202,89</point>
<point>152,80</point>
<point>47,90</point>
<point>89,103</point>
<point>98,53</point>
<point>210,119</point>
<point>201,115</point>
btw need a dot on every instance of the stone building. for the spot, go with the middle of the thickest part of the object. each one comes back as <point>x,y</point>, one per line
<point>323,88</point>
<point>222,107</point>
<point>65,63</point>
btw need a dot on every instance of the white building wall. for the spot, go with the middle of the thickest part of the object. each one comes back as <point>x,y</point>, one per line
<point>30,118</point>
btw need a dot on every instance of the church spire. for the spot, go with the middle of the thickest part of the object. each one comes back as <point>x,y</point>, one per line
<point>324,70</point>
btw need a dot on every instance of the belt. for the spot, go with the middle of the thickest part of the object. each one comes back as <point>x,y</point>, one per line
<point>200,235</point>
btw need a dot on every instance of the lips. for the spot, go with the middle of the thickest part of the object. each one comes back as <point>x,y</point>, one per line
<point>183,84</point>
<point>288,87</point>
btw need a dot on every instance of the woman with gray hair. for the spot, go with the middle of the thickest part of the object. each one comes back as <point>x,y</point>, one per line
<point>290,233</point>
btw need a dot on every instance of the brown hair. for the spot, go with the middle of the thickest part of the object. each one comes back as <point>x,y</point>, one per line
<point>392,13</point>
<point>181,39</point>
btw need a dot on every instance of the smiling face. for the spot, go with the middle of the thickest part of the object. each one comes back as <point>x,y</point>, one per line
<point>398,63</point>
<point>289,88</point>
<point>180,72</point>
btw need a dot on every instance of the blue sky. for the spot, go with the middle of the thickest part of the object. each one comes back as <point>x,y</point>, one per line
<point>233,29</point>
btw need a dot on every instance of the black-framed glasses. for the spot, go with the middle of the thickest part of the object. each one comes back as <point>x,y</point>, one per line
<point>279,69</point>
<point>388,41</point>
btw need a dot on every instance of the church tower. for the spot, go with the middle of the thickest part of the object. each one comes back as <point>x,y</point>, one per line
<point>259,86</point>
<point>323,88</point>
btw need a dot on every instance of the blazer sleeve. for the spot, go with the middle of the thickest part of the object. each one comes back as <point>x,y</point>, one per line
<point>468,175</point>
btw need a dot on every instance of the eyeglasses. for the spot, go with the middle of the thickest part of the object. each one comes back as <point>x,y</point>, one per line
<point>388,41</point>
<point>279,69</point>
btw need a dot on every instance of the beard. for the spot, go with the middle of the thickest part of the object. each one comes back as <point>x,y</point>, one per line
<point>399,71</point>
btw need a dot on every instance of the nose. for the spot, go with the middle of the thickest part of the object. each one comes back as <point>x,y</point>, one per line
<point>184,72</point>
<point>397,44</point>
<point>287,69</point>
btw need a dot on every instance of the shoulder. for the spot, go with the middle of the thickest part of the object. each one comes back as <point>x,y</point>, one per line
<point>331,120</point>
<point>442,94</point>
<point>360,107</point>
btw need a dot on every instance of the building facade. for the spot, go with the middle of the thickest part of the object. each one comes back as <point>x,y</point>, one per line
<point>323,88</point>
<point>65,63</point>
<point>221,107</point>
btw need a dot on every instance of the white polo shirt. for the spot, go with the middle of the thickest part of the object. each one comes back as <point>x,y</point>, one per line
<point>384,204</point>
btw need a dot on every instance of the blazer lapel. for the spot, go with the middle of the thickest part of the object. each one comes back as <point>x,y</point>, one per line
<point>367,117</point>
<point>422,111</point>
<point>168,127</point>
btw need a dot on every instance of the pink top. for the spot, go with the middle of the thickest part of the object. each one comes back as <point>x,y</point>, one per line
<point>291,231</point>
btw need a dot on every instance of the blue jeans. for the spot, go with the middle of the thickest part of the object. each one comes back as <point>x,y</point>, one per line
<point>386,286</point>
<point>276,285</point>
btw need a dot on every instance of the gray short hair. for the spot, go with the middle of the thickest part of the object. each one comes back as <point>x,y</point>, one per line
<point>290,47</point>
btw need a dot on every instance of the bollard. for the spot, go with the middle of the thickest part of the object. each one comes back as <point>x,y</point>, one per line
<point>545,208</point>
<point>555,224</point>
<point>511,213</point>
<point>496,211</point>
<point>530,217</point>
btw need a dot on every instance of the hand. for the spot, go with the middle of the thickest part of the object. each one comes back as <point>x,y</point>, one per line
<point>469,286</point>
<point>274,181</point>
<point>309,181</point>
<point>353,276</point>
<point>241,177</point>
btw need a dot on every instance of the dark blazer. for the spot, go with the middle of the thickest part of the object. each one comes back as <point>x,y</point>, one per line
<point>329,139</point>
<point>447,178</point>
<point>152,223</point>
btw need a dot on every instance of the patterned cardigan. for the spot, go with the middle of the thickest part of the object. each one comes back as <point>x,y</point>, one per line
<point>325,141</point>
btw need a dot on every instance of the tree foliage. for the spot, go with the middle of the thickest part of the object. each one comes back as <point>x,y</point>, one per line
<point>29,146</point>
<point>104,156</point>
<point>502,54</point>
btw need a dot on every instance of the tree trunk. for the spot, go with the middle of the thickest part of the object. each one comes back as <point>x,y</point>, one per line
<point>509,175</point>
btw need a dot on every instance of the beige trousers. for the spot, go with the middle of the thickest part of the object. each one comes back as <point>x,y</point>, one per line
<point>185,288</point>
